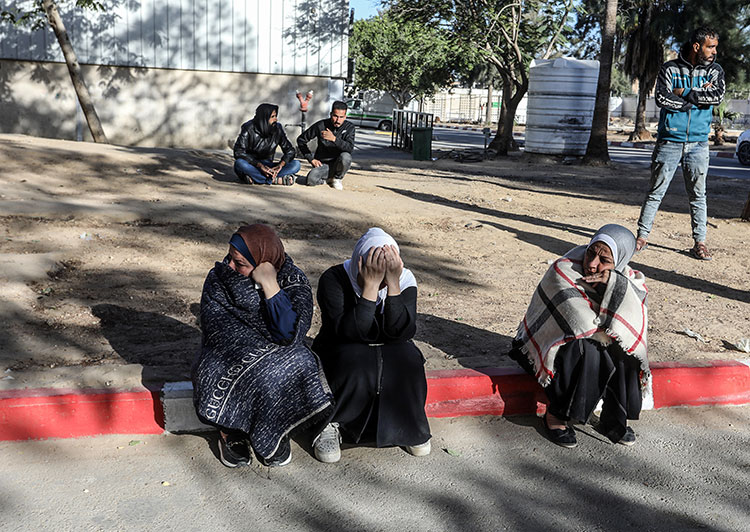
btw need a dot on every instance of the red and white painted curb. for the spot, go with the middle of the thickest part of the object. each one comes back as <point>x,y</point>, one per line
<point>648,146</point>
<point>68,413</point>
<point>622,144</point>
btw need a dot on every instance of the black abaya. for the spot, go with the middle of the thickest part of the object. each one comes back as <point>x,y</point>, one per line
<point>375,371</point>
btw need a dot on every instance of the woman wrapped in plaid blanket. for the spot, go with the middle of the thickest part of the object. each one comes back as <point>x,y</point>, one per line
<point>584,338</point>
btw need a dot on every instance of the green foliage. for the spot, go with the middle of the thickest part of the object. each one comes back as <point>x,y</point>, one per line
<point>32,13</point>
<point>721,112</point>
<point>669,24</point>
<point>620,84</point>
<point>507,34</point>
<point>403,57</point>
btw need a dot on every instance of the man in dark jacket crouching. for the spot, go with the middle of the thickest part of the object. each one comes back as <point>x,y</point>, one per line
<point>333,156</point>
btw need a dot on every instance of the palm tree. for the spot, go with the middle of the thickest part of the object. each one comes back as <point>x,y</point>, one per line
<point>596,151</point>
<point>644,55</point>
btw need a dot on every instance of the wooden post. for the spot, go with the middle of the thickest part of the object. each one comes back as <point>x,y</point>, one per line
<point>746,211</point>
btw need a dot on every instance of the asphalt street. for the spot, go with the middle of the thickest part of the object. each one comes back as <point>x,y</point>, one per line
<point>370,140</point>
<point>689,471</point>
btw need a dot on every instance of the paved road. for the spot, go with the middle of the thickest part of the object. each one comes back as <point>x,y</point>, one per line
<point>446,139</point>
<point>689,471</point>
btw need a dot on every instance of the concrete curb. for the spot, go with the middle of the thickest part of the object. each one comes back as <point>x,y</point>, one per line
<point>69,413</point>
<point>623,144</point>
<point>644,145</point>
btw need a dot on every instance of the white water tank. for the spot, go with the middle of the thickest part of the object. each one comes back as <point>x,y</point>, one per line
<point>561,105</point>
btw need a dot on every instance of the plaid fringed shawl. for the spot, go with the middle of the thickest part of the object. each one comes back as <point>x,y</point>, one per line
<point>242,379</point>
<point>562,310</point>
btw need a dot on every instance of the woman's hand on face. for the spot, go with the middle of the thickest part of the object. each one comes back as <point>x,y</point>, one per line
<point>265,275</point>
<point>372,269</point>
<point>393,268</point>
<point>596,278</point>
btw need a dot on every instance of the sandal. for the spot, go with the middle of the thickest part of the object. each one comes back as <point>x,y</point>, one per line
<point>700,251</point>
<point>286,180</point>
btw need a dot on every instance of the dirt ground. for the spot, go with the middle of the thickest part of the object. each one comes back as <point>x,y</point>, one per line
<point>104,249</point>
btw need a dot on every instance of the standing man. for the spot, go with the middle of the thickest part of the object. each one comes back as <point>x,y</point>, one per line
<point>333,156</point>
<point>686,90</point>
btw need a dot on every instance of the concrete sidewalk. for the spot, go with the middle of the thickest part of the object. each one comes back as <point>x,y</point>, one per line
<point>39,413</point>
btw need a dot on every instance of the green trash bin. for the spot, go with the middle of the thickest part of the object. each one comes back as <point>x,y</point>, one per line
<point>421,143</point>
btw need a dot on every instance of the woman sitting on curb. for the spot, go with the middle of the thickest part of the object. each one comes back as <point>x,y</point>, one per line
<point>255,378</point>
<point>584,338</point>
<point>256,146</point>
<point>369,311</point>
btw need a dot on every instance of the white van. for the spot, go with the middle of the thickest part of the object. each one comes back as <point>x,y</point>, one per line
<point>366,114</point>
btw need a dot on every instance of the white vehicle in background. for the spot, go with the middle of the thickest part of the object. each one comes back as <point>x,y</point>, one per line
<point>743,148</point>
<point>371,109</point>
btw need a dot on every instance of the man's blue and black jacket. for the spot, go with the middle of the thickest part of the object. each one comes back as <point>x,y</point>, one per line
<point>687,118</point>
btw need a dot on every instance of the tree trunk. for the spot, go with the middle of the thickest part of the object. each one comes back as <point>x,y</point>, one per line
<point>639,131</point>
<point>488,113</point>
<point>503,142</point>
<point>84,98</point>
<point>596,151</point>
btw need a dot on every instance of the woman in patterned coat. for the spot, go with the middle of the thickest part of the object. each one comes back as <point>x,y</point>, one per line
<point>255,378</point>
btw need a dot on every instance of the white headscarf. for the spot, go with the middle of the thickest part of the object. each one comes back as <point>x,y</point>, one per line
<point>375,237</point>
<point>620,241</point>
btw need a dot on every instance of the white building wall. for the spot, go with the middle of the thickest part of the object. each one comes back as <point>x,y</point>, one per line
<point>297,37</point>
<point>175,72</point>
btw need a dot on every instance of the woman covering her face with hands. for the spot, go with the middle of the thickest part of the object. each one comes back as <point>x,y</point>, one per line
<point>584,338</point>
<point>255,378</point>
<point>368,306</point>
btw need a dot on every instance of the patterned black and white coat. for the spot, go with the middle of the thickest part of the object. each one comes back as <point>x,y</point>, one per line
<point>243,379</point>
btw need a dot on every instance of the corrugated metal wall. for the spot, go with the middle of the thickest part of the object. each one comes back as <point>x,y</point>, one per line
<point>302,37</point>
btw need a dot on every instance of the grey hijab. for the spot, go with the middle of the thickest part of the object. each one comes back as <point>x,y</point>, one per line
<point>623,241</point>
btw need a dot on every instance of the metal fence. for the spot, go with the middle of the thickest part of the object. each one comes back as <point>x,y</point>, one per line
<point>403,123</point>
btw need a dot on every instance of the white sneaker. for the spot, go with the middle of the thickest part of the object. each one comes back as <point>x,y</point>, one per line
<point>423,449</point>
<point>336,183</point>
<point>327,444</point>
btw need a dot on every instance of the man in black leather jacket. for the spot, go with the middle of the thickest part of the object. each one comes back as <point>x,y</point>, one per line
<point>256,146</point>
<point>333,156</point>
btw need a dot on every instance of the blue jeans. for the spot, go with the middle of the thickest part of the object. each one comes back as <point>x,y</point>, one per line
<point>664,162</point>
<point>331,169</point>
<point>244,169</point>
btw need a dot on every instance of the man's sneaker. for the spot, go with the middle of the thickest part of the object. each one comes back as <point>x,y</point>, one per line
<point>336,183</point>
<point>283,455</point>
<point>234,451</point>
<point>327,444</point>
<point>423,449</point>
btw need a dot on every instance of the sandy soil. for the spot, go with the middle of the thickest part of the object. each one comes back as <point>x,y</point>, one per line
<point>104,249</point>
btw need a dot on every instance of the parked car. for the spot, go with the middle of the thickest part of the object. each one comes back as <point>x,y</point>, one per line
<point>743,147</point>
<point>363,113</point>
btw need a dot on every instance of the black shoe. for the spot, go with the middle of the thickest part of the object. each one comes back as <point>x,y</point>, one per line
<point>563,437</point>
<point>628,438</point>
<point>245,180</point>
<point>234,451</point>
<point>282,457</point>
